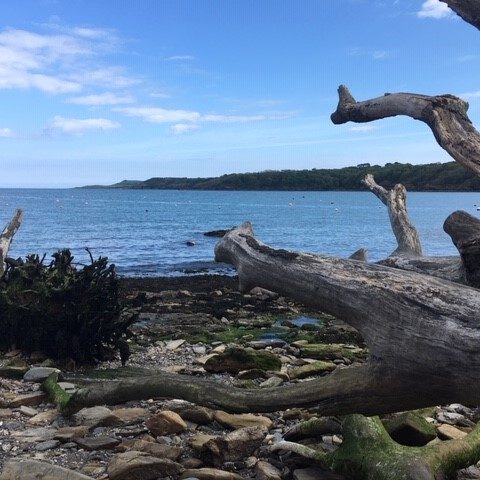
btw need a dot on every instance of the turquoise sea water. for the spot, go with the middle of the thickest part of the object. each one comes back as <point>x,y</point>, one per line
<point>144,232</point>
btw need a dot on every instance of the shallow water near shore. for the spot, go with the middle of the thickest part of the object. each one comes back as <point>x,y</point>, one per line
<point>144,232</point>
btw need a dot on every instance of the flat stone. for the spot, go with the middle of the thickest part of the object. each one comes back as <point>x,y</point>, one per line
<point>266,471</point>
<point>272,382</point>
<point>39,374</point>
<point>234,446</point>
<point>209,474</point>
<point>131,416</point>
<point>135,465</point>
<point>190,412</point>
<point>96,417</point>
<point>174,344</point>
<point>97,443</point>
<point>67,385</point>
<point>199,440</point>
<point>66,434</point>
<point>44,417</point>
<point>47,445</point>
<point>35,435</point>
<point>28,411</point>
<point>152,448</point>
<point>241,420</point>
<point>166,423</point>
<point>35,470</point>
<point>449,432</point>
<point>5,413</point>
<point>28,400</point>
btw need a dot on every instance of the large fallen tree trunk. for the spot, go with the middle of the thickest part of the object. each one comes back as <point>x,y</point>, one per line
<point>6,237</point>
<point>406,319</point>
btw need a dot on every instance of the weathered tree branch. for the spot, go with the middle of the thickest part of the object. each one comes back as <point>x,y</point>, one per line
<point>469,10</point>
<point>446,115</point>
<point>405,232</point>
<point>6,237</point>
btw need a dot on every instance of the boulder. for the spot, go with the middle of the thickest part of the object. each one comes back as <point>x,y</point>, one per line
<point>97,443</point>
<point>35,470</point>
<point>166,423</point>
<point>39,374</point>
<point>266,471</point>
<point>233,446</point>
<point>96,417</point>
<point>236,359</point>
<point>410,429</point>
<point>210,474</point>
<point>152,448</point>
<point>135,465</point>
<point>312,369</point>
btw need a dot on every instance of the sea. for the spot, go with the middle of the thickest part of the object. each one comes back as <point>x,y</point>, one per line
<point>145,232</point>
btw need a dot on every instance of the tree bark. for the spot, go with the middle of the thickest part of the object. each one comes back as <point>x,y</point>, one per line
<point>6,237</point>
<point>469,10</point>
<point>408,240</point>
<point>446,115</point>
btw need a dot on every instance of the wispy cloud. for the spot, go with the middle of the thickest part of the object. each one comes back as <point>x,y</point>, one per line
<point>470,95</point>
<point>160,115</point>
<point>58,62</point>
<point>107,98</point>
<point>6,133</point>
<point>182,128</point>
<point>180,58</point>
<point>374,54</point>
<point>363,128</point>
<point>434,9</point>
<point>77,126</point>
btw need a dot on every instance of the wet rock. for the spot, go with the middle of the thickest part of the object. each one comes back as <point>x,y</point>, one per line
<point>241,420</point>
<point>39,374</point>
<point>130,416</point>
<point>449,432</point>
<point>28,411</point>
<point>210,474</point>
<point>234,446</point>
<point>47,445</point>
<point>266,471</point>
<point>312,369</point>
<point>141,466</point>
<point>236,359</point>
<point>96,417</point>
<point>35,470</point>
<point>97,443</point>
<point>410,429</point>
<point>152,448</point>
<point>166,423</point>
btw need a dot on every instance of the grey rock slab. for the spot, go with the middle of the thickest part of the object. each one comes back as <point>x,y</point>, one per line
<point>95,417</point>
<point>97,443</point>
<point>39,374</point>
<point>35,470</point>
<point>47,445</point>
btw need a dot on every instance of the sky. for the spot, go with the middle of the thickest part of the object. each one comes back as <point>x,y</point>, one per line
<point>94,92</point>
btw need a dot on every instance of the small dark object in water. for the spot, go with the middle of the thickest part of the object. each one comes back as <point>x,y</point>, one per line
<point>124,349</point>
<point>190,243</point>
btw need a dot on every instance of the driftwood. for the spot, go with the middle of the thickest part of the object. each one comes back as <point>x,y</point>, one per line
<point>6,237</point>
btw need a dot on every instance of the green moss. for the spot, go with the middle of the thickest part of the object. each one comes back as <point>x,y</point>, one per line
<point>56,394</point>
<point>236,359</point>
<point>331,351</point>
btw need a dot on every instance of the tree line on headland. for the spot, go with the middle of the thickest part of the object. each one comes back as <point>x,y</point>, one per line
<point>428,177</point>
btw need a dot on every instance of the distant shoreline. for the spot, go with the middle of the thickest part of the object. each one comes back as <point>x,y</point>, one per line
<point>433,177</point>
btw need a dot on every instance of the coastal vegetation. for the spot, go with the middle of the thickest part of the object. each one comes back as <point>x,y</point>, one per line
<point>448,176</point>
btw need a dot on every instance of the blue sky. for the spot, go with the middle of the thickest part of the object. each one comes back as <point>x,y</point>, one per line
<point>97,92</point>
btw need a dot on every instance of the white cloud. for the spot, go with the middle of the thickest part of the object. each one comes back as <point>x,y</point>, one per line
<point>77,126</point>
<point>182,128</point>
<point>180,58</point>
<point>6,133</point>
<point>379,54</point>
<point>470,95</point>
<point>107,98</point>
<point>363,128</point>
<point>58,62</point>
<point>434,9</point>
<point>160,115</point>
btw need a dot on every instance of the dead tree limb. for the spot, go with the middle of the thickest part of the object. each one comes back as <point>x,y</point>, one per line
<point>469,10</point>
<point>405,232</point>
<point>6,237</point>
<point>446,115</point>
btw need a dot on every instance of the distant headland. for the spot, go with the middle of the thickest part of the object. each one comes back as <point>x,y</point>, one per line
<point>428,177</point>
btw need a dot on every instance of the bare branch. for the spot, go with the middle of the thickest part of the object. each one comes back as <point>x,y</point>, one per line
<point>6,237</point>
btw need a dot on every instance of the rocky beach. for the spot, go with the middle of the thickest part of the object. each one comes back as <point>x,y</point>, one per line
<point>199,326</point>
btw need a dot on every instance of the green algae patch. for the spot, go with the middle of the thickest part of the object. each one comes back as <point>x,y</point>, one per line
<point>333,351</point>
<point>236,359</point>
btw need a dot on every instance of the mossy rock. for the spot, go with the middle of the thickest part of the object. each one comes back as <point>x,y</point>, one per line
<point>12,371</point>
<point>410,429</point>
<point>236,359</point>
<point>311,369</point>
<point>113,373</point>
<point>332,351</point>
